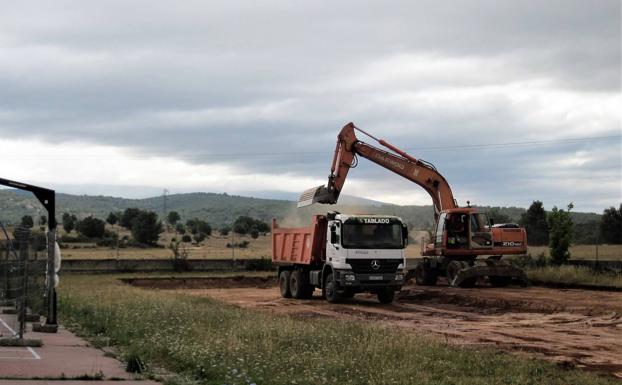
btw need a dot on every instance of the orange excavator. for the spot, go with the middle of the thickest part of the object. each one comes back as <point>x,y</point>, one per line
<point>462,233</point>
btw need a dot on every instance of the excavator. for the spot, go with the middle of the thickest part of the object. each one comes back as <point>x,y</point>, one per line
<point>462,233</point>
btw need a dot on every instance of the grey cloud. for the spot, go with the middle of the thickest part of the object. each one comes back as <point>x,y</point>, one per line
<point>220,82</point>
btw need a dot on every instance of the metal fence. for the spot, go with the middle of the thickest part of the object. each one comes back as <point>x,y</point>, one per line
<point>23,269</point>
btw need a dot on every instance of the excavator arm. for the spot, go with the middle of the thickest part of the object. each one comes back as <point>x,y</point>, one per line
<point>348,147</point>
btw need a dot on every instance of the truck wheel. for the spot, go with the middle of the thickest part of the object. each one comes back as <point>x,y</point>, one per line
<point>284,284</point>
<point>425,276</point>
<point>297,284</point>
<point>330,290</point>
<point>386,295</point>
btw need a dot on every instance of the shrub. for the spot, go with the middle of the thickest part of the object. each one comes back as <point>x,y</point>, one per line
<point>91,227</point>
<point>146,228</point>
<point>224,231</point>
<point>199,237</point>
<point>27,221</point>
<point>199,226</point>
<point>560,225</point>
<point>128,217</point>
<point>244,224</point>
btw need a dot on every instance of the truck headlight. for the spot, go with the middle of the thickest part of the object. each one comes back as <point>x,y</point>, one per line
<point>399,277</point>
<point>350,277</point>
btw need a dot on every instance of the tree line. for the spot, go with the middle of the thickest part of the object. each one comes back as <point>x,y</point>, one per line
<point>557,230</point>
<point>146,227</point>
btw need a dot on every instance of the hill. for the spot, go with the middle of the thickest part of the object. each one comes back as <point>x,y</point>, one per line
<point>220,209</point>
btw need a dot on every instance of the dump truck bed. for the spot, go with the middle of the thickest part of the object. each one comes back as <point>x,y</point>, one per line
<point>300,245</point>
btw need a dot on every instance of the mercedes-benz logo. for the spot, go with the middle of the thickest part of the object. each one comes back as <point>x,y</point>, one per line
<point>375,264</point>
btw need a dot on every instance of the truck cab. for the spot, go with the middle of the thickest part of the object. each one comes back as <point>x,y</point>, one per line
<point>342,255</point>
<point>366,251</point>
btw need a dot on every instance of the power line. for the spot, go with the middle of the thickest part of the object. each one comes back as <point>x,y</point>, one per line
<point>306,153</point>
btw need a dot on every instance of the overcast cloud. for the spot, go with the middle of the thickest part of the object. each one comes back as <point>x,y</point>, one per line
<point>128,98</point>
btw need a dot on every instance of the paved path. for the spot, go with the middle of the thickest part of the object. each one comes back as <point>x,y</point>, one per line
<point>62,356</point>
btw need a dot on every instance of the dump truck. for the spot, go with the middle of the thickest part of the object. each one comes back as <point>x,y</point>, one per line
<point>341,255</point>
<point>462,233</point>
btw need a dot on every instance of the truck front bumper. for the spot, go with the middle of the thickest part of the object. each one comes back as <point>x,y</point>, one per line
<point>347,278</point>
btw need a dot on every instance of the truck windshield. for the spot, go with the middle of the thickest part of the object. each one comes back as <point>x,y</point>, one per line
<point>372,236</point>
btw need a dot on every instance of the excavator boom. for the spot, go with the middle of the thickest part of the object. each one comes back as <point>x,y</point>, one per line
<point>416,170</point>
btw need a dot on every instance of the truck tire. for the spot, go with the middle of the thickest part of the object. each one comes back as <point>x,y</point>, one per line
<point>297,284</point>
<point>330,290</point>
<point>284,284</point>
<point>386,295</point>
<point>425,276</point>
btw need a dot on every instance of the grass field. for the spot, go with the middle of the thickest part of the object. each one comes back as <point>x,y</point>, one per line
<point>605,252</point>
<point>208,342</point>
<point>573,275</point>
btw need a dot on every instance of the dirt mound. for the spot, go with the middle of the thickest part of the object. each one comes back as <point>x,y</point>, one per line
<point>173,283</point>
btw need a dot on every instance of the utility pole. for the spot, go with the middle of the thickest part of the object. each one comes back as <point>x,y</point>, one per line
<point>165,192</point>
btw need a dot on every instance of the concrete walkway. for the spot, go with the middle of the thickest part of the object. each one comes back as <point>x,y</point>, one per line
<point>63,356</point>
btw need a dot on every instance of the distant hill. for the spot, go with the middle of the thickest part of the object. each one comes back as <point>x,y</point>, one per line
<point>220,209</point>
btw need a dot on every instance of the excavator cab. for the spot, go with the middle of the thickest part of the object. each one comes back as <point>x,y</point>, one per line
<point>463,230</point>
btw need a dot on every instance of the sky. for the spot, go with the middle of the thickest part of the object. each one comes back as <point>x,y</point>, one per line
<point>512,101</point>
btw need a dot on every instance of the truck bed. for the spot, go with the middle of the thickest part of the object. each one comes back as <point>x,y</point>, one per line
<point>299,245</point>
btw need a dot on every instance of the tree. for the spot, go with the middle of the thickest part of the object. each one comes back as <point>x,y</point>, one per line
<point>243,225</point>
<point>173,217</point>
<point>587,233</point>
<point>112,219</point>
<point>254,232</point>
<point>611,225</point>
<point>199,226</point>
<point>27,221</point>
<point>199,237</point>
<point>496,216</point>
<point>69,222</point>
<point>186,238</point>
<point>128,217</point>
<point>224,230</point>
<point>180,228</point>
<point>91,227</point>
<point>560,237</point>
<point>535,223</point>
<point>146,228</point>
<point>43,220</point>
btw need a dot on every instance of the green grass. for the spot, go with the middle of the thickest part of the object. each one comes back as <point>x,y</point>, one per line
<point>207,342</point>
<point>611,252</point>
<point>573,275</point>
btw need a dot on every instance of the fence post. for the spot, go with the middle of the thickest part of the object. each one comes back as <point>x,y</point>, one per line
<point>50,319</point>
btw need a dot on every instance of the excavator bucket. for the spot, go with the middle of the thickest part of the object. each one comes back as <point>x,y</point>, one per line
<point>319,194</point>
<point>307,197</point>
<point>499,274</point>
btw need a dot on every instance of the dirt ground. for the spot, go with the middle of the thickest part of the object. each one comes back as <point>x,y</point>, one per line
<point>571,327</point>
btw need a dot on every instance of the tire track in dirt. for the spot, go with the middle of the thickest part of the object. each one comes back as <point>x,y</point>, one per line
<point>571,327</point>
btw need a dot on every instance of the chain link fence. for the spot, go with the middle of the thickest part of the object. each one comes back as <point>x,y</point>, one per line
<point>23,283</point>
